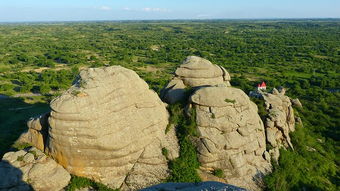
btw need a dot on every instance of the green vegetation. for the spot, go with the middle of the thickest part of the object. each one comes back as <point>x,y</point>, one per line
<point>262,111</point>
<point>313,164</point>
<point>38,61</point>
<point>20,146</point>
<point>80,182</point>
<point>14,113</point>
<point>34,154</point>
<point>184,168</point>
<point>230,101</point>
<point>310,167</point>
<point>20,158</point>
<point>165,152</point>
<point>219,173</point>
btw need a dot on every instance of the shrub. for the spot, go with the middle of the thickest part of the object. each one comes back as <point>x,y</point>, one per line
<point>81,182</point>
<point>184,168</point>
<point>262,111</point>
<point>219,173</point>
<point>230,101</point>
<point>165,152</point>
<point>20,158</point>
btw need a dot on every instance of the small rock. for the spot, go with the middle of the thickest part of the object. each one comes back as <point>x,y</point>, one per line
<point>40,175</point>
<point>296,102</point>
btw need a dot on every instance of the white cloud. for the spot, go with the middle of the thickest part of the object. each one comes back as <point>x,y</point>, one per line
<point>127,9</point>
<point>105,8</point>
<point>148,9</point>
<point>203,16</point>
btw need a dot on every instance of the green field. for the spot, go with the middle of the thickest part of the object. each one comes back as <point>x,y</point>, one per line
<point>42,59</point>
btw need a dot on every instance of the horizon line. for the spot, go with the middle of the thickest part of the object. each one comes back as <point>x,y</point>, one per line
<point>196,19</point>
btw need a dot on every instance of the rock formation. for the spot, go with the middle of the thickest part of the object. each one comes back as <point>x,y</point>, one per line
<point>37,131</point>
<point>110,127</point>
<point>27,169</point>
<point>231,135</point>
<point>280,121</point>
<point>194,72</point>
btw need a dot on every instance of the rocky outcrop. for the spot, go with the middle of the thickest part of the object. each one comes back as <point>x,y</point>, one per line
<point>280,121</point>
<point>202,186</point>
<point>110,127</point>
<point>296,102</point>
<point>37,131</point>
<point>193,73</point>
<point>27,169</point>
<point>231,135</point>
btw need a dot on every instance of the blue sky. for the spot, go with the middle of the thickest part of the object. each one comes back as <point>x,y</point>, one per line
<point>75,10</point>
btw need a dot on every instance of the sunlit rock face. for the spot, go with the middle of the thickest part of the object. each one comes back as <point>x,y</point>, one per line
<point>110,127</point>
<point>194,72</point>
<point>279,122</point>
<point>231,135</point>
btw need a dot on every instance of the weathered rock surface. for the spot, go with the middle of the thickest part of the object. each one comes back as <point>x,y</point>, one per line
<point>37,132</point>
<point>110,127</point>
<point>27,169</point>
<point>296,102</point>
<point>280,121</point>
<point>202,186</point>
<point>231,135</point>
<point>194,72</point>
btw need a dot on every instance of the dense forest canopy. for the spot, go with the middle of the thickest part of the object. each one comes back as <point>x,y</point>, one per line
<point>40,60</point>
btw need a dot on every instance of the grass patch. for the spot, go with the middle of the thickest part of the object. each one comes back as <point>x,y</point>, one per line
<point>34,154</point>
<point>20,158</point>
<point>262,111</point>
<point>230,100</point>
<point>14,113</point>
<point>20,146</point>
<point>184,168</point>
<point>75,92</point>
<point>81,182</point>
<point>165,152</point>
<point>219,173</point>
<point>303,169</point>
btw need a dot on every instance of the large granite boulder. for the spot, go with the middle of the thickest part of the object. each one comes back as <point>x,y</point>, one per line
<point>195,72</point>
<point>110,127</point>
<point>27,169</point>
<point>231,135</point>
<point>280,121</point>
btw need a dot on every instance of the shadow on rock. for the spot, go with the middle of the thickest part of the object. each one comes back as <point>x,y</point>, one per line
<point>11,178</point>
<point>14,113</point>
